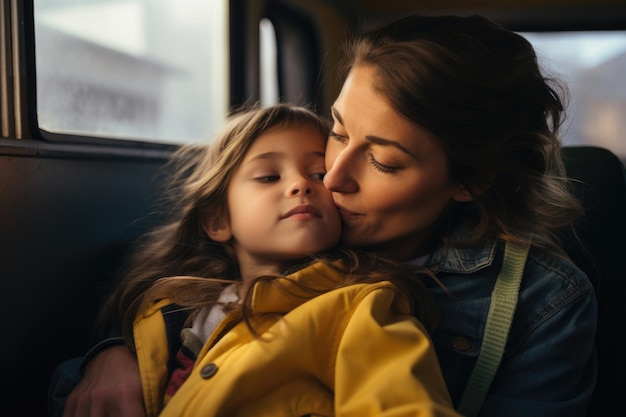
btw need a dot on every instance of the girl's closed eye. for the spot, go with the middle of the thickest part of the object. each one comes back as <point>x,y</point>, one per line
<point>319,176</point>
<point>267,178</point>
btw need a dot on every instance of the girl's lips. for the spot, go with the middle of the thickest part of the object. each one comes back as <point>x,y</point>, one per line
<point>305,209</point>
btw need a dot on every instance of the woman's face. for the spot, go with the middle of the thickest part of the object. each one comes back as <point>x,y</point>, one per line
<point>389,177</point>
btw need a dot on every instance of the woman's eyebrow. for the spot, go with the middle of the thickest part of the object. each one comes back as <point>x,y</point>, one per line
<point>387,142</point>
<point>336,115</point>
<point>375,139</point>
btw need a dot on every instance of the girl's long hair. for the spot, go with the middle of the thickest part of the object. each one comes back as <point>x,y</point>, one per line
<point>177,260</point>
<point>195,192</point>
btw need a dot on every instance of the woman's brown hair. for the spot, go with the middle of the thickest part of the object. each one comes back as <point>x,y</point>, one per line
<point>478,89</point>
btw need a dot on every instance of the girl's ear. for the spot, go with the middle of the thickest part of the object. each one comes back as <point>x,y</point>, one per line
<point>217,227</point>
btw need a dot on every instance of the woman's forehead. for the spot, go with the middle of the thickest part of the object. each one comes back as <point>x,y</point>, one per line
<point>365,112</point>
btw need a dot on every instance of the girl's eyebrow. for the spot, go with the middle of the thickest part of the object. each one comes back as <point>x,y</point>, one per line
<point>374,139</point>
<point>267,155</point>
<point>279,155</point>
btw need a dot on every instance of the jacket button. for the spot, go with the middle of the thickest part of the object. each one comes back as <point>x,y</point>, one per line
<point>208,371</point>
<point>460,343</point>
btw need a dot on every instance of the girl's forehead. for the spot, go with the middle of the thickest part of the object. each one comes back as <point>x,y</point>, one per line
<point>301,138</point>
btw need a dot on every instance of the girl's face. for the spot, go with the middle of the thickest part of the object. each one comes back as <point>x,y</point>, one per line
<point>389,177</point>
<point>279,208</point>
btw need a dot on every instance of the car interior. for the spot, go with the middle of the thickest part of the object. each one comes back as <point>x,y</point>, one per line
<point>73,202</point>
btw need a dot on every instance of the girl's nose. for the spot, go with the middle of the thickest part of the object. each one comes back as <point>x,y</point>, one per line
<point>301,186</point>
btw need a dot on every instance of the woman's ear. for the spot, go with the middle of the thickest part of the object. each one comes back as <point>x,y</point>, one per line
<point>217,227</point>
<point>462,195</point>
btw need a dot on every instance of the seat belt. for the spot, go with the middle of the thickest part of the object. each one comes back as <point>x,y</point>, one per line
<point>501,310</point>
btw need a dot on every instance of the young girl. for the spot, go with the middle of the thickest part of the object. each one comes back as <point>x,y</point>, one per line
<point>282,332</point>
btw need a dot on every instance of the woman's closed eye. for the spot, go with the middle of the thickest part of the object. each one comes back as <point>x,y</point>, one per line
<point>336,136</point>
<point>385,169</point>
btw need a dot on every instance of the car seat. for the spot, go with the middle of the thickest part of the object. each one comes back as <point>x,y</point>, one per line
<point>599,181</point>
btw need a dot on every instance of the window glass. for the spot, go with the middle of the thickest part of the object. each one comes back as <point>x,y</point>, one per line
<point>154,70</point>
<point>592,64</point>
<point>268,63</point>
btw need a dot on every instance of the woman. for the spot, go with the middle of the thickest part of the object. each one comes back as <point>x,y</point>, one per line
<point>451,120</point>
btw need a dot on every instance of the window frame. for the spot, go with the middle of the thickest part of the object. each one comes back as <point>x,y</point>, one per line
<point>24,136</point>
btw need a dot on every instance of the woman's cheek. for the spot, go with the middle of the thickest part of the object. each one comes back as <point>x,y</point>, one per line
<point>331,153</point>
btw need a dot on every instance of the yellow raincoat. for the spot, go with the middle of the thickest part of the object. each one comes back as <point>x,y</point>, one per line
<point>351,351</point>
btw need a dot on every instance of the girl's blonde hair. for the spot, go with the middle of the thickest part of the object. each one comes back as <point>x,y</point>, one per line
<point>175,259</point>
<point>196,192</point>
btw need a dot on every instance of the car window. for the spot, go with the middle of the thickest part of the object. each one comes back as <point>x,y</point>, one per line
<point>592,64</point>
<point>148,70</point>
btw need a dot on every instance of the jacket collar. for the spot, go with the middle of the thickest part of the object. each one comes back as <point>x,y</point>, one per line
<point>283,294</point>
<point>463,260</point>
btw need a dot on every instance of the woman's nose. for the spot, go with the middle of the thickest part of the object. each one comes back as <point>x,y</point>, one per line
<point>339,176</point>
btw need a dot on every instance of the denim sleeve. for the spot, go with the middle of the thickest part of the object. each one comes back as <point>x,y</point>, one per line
<point>69,373</point>
<point>552,370</point>
<point>65,378</point>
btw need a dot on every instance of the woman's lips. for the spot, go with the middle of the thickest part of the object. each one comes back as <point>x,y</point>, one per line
<point>345,213</point>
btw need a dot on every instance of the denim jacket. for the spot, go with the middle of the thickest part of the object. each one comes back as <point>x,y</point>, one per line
<point>549,365</point>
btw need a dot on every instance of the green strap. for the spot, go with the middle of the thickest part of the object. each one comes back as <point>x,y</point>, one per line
<point>503,303</point>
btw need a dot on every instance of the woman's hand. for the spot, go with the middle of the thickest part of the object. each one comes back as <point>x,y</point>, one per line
<point>111,387</point>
